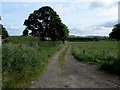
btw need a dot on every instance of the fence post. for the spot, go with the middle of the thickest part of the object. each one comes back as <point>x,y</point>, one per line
<point>83,51</point>
<point>103,54</point>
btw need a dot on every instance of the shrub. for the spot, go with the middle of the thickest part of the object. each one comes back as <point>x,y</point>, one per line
<point>111,66</point>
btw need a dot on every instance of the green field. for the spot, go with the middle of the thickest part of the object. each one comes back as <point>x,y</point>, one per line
<point>24,58</point>
<point>102,53</point>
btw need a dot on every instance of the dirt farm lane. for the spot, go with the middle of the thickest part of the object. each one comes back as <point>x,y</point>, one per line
<point>74,75</point>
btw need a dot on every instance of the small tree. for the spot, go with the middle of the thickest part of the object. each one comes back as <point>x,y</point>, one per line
<point>3,31</point>
<point>115,34</point>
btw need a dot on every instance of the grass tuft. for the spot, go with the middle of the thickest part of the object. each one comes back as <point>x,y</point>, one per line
<point>62,56</point>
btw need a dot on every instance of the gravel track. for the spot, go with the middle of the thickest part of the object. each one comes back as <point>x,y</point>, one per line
<point>74,75</point>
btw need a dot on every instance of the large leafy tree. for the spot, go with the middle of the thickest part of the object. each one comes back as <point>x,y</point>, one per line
<point>45,22</point>
<point>115,34</point>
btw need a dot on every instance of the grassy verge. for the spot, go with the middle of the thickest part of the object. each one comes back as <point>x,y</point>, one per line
<point>102,53</point>
<point>24,58</point>
<point>62,56</point>
<point>0,64</point>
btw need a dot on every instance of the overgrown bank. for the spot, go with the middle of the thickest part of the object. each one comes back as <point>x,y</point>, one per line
<point>24,58</point>
<point>102,53</point>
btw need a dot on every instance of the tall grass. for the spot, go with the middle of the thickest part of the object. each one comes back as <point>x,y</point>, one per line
<point>62,56</point>
<point>24,58</point>
<point>102,53</point>
<point>0,64</point>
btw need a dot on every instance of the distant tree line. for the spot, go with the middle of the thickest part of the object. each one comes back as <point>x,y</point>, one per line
<point>45,23</point>
<point>93,38</point>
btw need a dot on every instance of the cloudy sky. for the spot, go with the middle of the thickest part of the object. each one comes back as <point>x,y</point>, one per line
<point>83,17</point>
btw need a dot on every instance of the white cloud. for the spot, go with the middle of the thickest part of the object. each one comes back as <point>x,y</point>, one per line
<point>62,8</point>
<point>75,1</point>
<point>107,11</point>
<point>23,5</point>
<point>104,1</point>
<point>111,11</point>
<point>36,0</point>
<point>26,5</point>
<point>14,29</point>
<point>91,31</point>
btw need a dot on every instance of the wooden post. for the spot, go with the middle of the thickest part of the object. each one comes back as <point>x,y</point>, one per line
<point>103,54</point>
<point>83,51</point>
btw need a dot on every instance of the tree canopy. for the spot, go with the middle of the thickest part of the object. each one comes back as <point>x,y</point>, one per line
<point>115,34</point>
<point>45,22</point>
<point>3,31</point>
